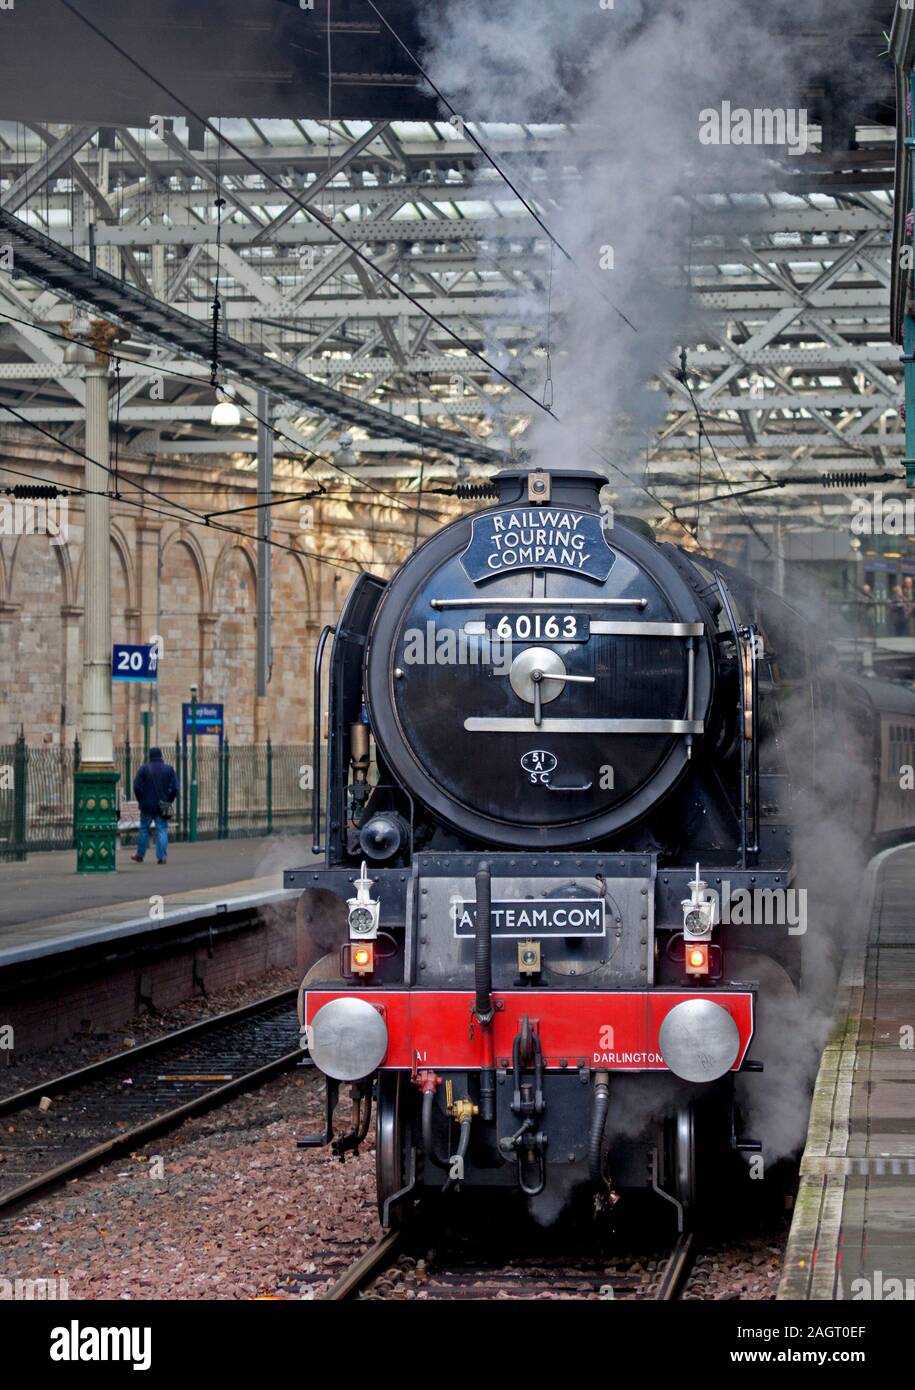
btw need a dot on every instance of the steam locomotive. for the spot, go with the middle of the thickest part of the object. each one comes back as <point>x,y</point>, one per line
<point>558,752</point>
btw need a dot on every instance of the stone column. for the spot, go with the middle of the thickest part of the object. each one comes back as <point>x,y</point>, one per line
<point>148,541</point>
<point>135,693</point>
<point>96,781</point>
<point>206,627</point>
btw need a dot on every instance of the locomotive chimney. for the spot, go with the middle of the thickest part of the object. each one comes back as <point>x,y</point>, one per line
<point>565,487</point>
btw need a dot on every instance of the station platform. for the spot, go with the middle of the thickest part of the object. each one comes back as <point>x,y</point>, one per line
<point>46,908</point>
<point>853,1232</point>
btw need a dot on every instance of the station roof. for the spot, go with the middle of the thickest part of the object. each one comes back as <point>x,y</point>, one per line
<point>269,58</point>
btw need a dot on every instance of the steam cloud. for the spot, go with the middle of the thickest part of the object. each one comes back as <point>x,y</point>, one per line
<point>632,81</point>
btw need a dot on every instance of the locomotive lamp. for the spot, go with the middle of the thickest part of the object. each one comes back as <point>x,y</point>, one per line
<point>698,912</point>
<point>363,910</point>
<point>697,959</point>
<point>362,957</point>
<point>529,958</point>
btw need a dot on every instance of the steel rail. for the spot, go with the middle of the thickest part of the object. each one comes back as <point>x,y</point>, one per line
<point>372,1262</point>
<point>70,1079</point>
<point>126,1140</point>
<point>676,1271</point>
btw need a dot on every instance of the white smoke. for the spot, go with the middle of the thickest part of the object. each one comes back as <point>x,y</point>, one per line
<point>830,821</point>
<point>631,81</point>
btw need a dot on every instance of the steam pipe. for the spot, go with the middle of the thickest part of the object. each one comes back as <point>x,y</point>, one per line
<point>483,944</point>
<point>600,1104</point>
<point>428,1146</point>
<point>488,1076</point>
<point>461,1154</point>
<point>483,979</point>
<point>316,753</point>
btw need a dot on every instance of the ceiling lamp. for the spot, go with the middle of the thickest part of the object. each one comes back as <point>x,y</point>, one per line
<point>225,413</point>
<point>344,452</point>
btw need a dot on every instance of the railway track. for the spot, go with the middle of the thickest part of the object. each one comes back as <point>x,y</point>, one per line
<point>526,1277</point>
<point>677,1269</point>
<point>81,1118</point>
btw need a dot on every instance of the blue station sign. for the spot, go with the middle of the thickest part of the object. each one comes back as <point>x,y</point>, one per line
<point>553,538</point>
<point>209,718</point>
<point>134,663</point>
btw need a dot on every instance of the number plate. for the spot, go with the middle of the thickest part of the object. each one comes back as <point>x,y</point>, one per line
<point>540,627</point>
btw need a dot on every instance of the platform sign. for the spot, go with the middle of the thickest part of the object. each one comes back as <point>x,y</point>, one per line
<point>209,720</point>
<point>134,663</point>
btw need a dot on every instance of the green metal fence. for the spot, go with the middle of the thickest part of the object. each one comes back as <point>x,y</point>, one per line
<point>242,790</point>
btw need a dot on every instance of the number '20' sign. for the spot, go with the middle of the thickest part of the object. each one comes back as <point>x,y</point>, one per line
<point>134,663</point>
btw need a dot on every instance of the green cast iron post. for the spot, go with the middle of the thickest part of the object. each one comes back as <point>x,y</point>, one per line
<point>269,786</point>
<point>192,832</point>
<point>182,797</point>
<point>20,792</point>
<point>226,789</point>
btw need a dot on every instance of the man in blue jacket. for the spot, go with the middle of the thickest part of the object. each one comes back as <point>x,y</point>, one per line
<point>156,788</point>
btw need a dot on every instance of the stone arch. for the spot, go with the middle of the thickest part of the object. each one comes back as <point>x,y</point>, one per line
<point>295,628</point>
<point>122,547</point>
<point>226,554</point>
<point>32,683</point>
<point>229,674</point>
<point>122,553</point>
<point>182,598</point>
<point>183,536</point>
<point>122,591</point>
<point>69,572</point>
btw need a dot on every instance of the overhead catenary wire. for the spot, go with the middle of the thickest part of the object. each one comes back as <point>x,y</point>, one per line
<point>474,140</point>
<point>356,251</point>
<point>275,430</point>
<point>313,212</point>
<point>80,491</point>
<point>194,519</point>
<point>337,561</point>
<point>316,213</point>
<point>353,249</point>
<point>158,368</point>
<point>747,521</point>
